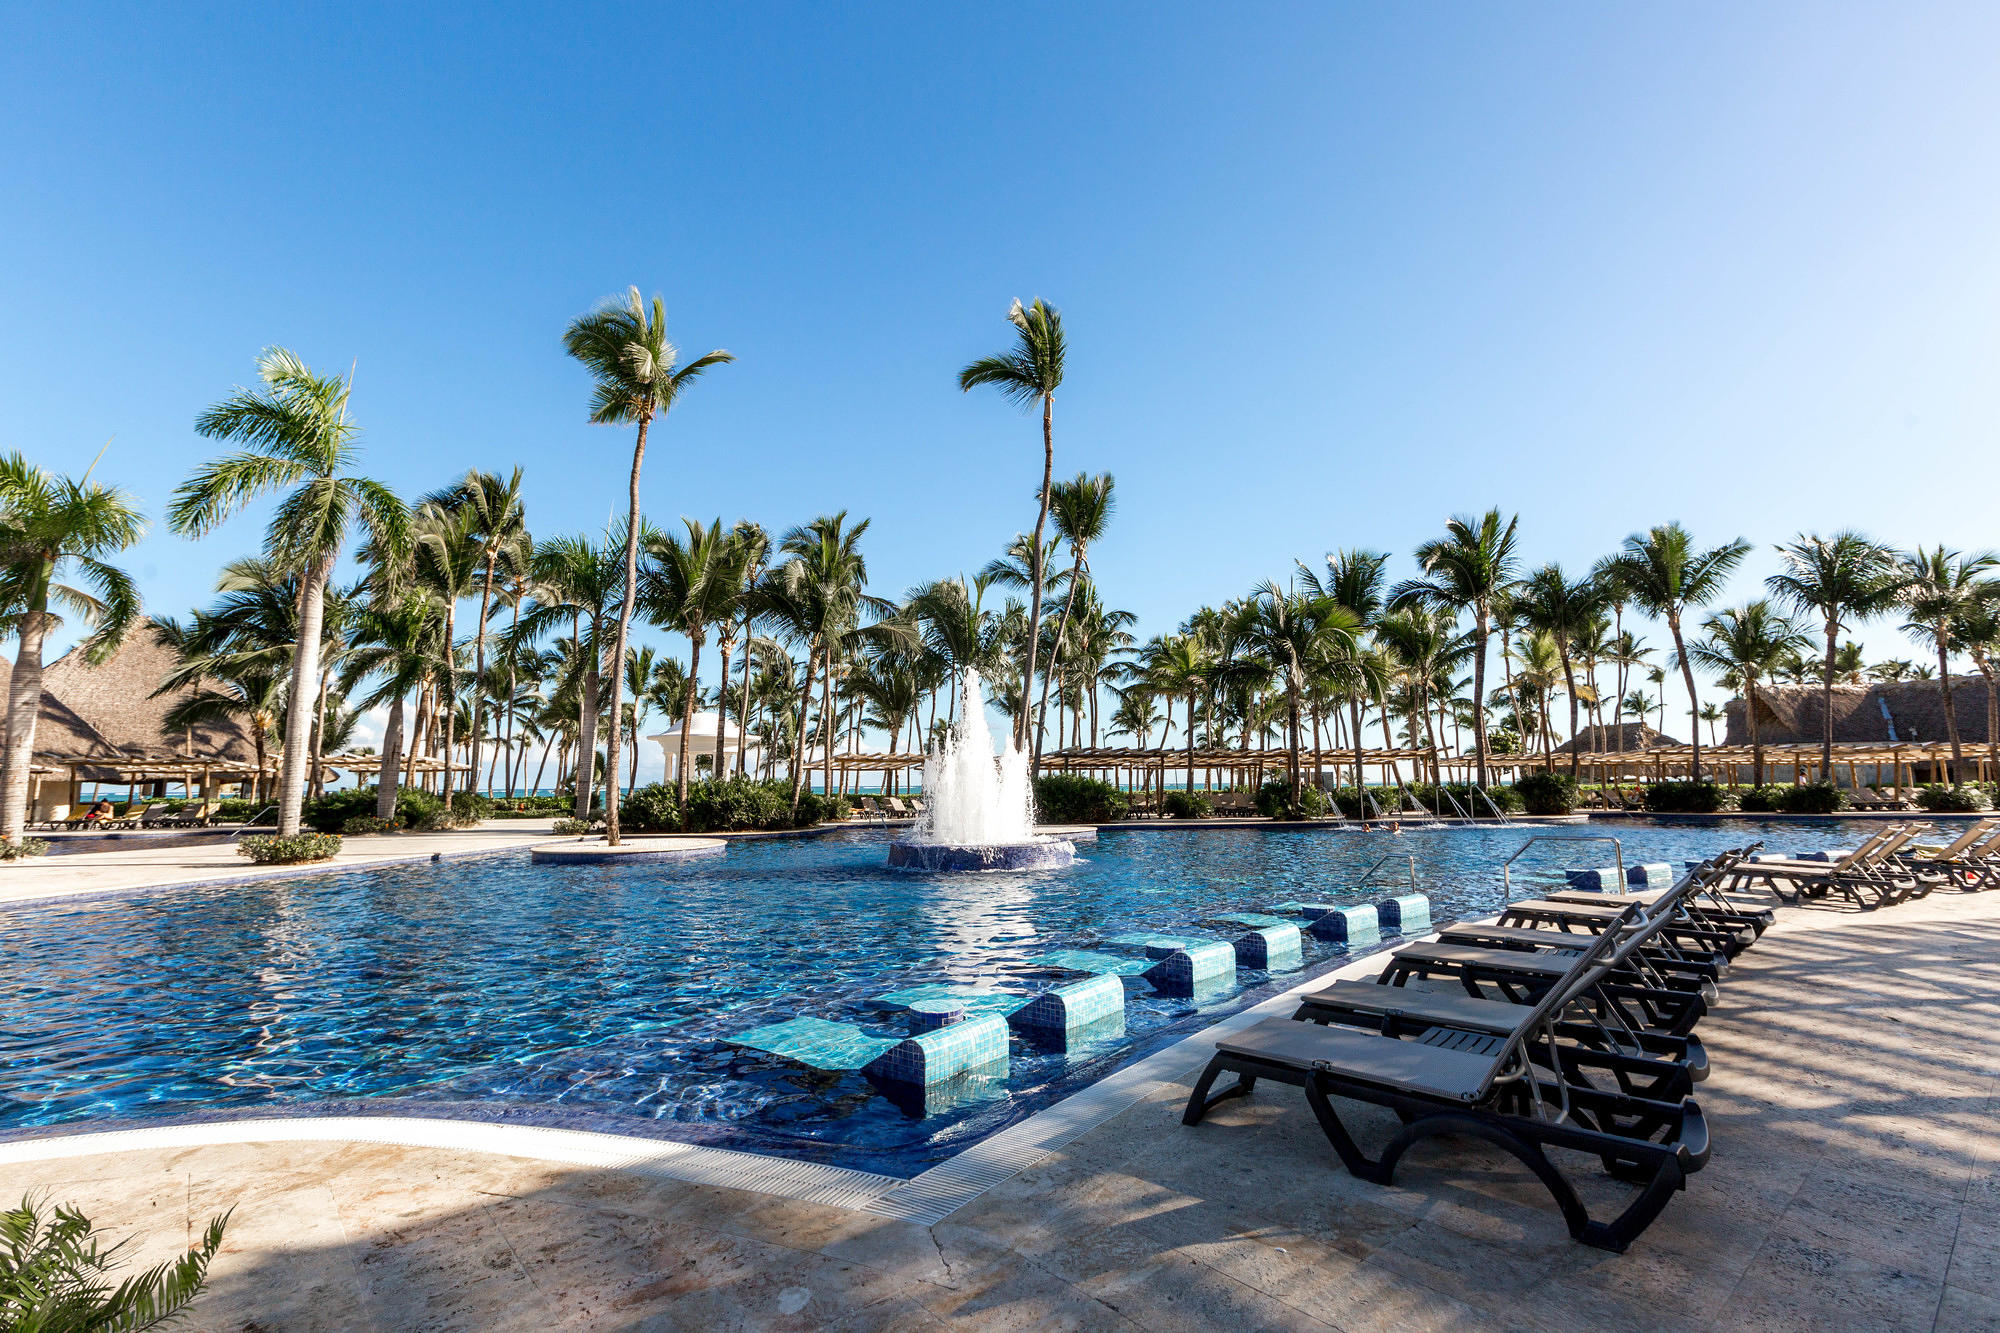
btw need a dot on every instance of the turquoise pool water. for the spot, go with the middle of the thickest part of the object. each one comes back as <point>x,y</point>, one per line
<point>596,996</point>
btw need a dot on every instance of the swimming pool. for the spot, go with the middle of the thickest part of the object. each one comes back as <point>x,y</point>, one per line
<point>595,997</point>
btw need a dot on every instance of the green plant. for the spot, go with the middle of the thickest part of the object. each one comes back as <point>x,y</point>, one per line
<point>1695,798</point>
<point>1506,797</point>
<point>14,851</point>
<point>1275,801</point>
<point>1185,805</point>
<point>1940,799</point>
<point>1813,798</point>
<point>55,1276</point>
<point>650,809</point>
<point>570,828</point>
<point>819,808</point>
<point>278,850</point>
<point>1071,798</point>
<point>1768,797</point>
<point>363,825</point>
<point>236,808</point>
<point>1547,793</point>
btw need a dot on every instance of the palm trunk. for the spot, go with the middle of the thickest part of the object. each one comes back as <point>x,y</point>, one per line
<point>726,646</point>
<point>316,782</point>
<point>24,710</point>
<point>1694,704</point>
<point>743,708</point>
<point>1756,739</point>
<point>1481,628</point>
<point>479,670</point>
<point>305,671</point>
<point>1026,720</point>
<point>515,759</point>
<point>1826,698</point>
<point>1943,635</point>
<point>1360,751</point>
<point>828,721</point>
<point>450,703</point>
<point>799,739</point>
<point>687,718</point>
<point>584,771</point>
<point>624,630</point>
<point>1569,680</point>
<point>1190,742</point>
<point>391,775</point>
<point>1062,627</point>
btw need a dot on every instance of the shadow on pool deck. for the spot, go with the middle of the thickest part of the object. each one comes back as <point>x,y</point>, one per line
<point>1855,1183</point>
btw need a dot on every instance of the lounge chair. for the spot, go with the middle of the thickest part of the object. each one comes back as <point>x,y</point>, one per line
<point>194,816</point>
<point>895,807</point>
<point>866,808</point>
<point>1970,861</point>
<point>1867,874</point>
<point>1511,1088</point>
<point>57,817</point>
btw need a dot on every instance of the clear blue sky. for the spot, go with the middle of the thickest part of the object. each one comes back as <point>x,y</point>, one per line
<point>1330,272</point>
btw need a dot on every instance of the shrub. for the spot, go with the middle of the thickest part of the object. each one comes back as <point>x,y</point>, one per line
<point>1275,801</point>
<point>1768,797</point>
<point>1506,797</point>
<point>652,809</point>
<point>237,808</point>
<point>572,828</point>
<point>56,1275</point>
<point>362,825</point>
<point>1813,798</point>
<point>14,851</point>
<point>1939,799</point>
<point>332,812</point>
<point>1071,798</point>
<point>820,808</point>
<point>1695,798</point>
<point>278,851</point>
<point>1547,793</point>
<point>1185,805</point>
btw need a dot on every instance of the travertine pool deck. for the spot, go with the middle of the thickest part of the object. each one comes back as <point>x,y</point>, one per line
<point>1855,1184</point>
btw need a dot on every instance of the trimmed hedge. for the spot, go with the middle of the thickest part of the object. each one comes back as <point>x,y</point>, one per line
<point>1185,805</point>
<point>277,851</point>
<point>1072,798</point>
<point>1275,801</point>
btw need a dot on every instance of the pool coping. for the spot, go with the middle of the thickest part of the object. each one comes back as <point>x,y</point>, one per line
<point>924,1199</point>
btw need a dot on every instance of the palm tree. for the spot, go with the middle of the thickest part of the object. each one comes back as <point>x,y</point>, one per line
<point>1354,581</point>
<point>1663,573</point>
<point>578,583</point>
<point>495,523</point>
<point>298,436</point>
<point>401,640</point>
<point>53,529</point>
<point>446,562</point>
<point>1564,609</point>
<point>751,547</point>
<point>1843,579</point>
<point>1977,631</point>
<point>1467,569</point>
<point>638,377</point>
<point>1753,641</point>
<point>1939,588</point>
<point>245,687</point>
<point>816,596</point>
<point>1178,665</point>
<point>689,586</point>
<point>1082,509</point>
<point>1294,633</point>
<point>1029,373</point>
<point>641,670</point>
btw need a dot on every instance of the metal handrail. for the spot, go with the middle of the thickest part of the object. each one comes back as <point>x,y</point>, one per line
<point>1382,860</point>
<point>251,822</point>
<point>1507,878</point>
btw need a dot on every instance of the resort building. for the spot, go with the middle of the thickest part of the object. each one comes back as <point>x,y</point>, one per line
<point>1898,712</point>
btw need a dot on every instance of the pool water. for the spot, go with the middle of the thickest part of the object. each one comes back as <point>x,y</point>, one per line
<point>595,996</point>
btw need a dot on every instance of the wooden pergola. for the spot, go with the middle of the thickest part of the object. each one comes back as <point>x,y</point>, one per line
<point>1892,763</point>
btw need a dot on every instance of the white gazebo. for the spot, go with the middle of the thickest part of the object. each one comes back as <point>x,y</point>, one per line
<point>701,741</point>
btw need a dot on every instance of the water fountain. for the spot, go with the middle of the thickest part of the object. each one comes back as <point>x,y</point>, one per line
<point>978,813</point>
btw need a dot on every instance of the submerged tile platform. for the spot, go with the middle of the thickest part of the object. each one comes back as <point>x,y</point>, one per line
<point>1855,1104</point>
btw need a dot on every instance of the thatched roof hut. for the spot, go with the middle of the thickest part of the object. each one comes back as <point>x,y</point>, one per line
<point>1626,738</point>
<point>1895,712</point>
<point>62,736</point>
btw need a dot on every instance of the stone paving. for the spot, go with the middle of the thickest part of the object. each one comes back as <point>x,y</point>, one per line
<point>166,867</point>
<point>1855,1184</point>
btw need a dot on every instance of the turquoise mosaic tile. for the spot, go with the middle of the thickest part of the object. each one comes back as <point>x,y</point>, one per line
<point>1252,919</point>
<point>1410,914</point>
<point>1142,940</point>
<point>1087,960</point>
<point>943,998</point>
<point>1353,925</point>
<point>1194,969</point>
<point>1652,875</point>
<point>816,1043</point>
<point>1305,909</point>
<point>1272,948</point>
<point>1073,1005</point>
<point>1605,878</point>
<point>934,1057</point>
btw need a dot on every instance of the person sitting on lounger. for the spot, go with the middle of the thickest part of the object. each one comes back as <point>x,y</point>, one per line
<point>102,810</point>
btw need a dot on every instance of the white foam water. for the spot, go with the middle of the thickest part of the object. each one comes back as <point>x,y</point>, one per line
<point>972,798</point>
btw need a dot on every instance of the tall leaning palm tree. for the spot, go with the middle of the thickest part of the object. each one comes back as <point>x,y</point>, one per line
<point>1468,569</point>
<point>299,440</point>
<point>53,529</point>
<point>1843,579</point>
<point>1029,373</point>
<point>1940,588</point>
<point>1663,573</point>
<point>1082,508</point>
<point>623,344</point>
<point>1754,642</point>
